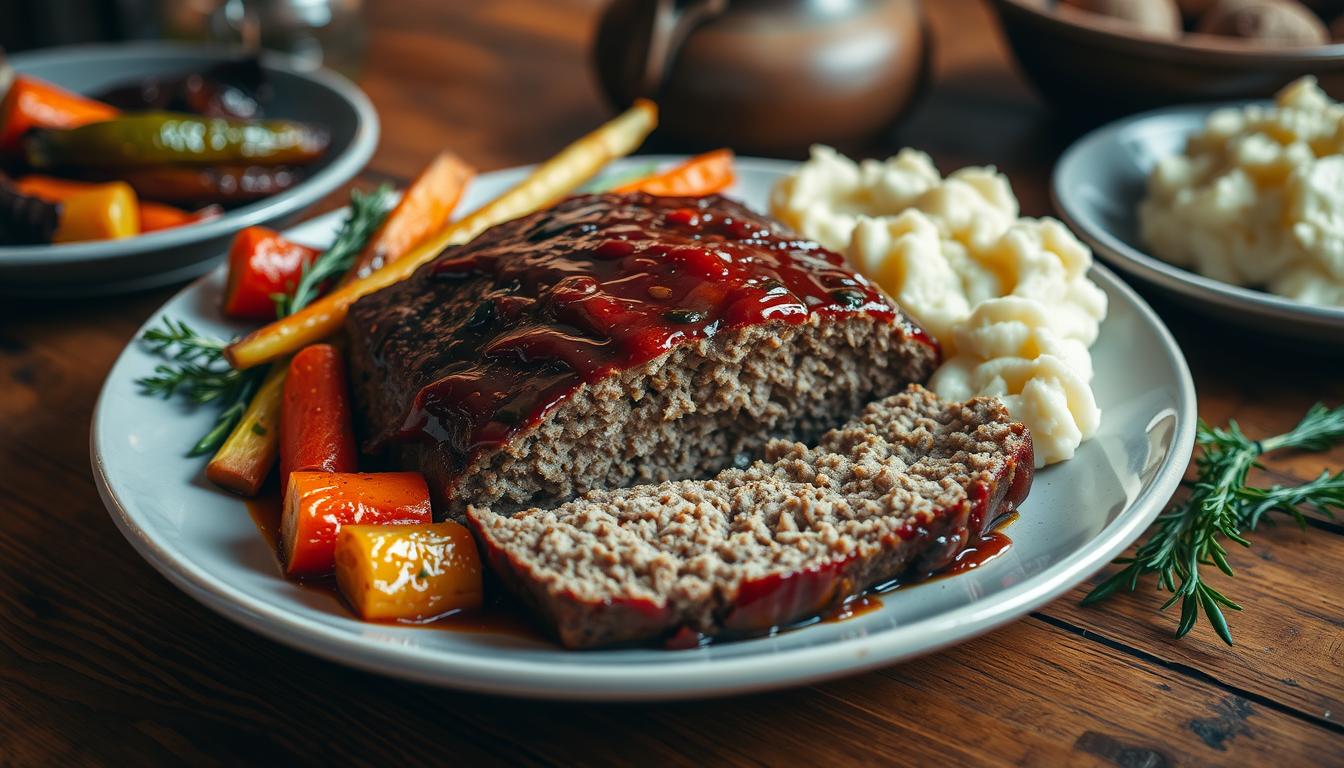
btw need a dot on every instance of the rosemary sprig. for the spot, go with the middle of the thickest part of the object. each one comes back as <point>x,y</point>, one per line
<point>367,213</point>
<point>199,372</point>
<point>196,367</point>
<point>1220,506</point>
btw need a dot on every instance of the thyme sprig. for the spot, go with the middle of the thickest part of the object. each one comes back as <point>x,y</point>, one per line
<point>367,213</point>
<point>1190,534</point>
<point>195,366</point>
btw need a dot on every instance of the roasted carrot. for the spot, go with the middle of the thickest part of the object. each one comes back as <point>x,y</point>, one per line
<point>157,216</point>
<point>552,179</point>
<point>246,457</point>
<point>423,210</point>
<point>33,103</point>
<point>315,429</point>
<point>319,503</point>
<point>699,176</point>
<point>262,264</point>
<point>408,572</point>
<point>104,212</point>
<point>50,188</point>
<point>153,216</point>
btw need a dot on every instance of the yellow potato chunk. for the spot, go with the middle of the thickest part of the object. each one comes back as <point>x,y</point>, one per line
<point>408,572</point>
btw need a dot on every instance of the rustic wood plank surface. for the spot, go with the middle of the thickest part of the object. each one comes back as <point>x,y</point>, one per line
<point>103,662</point>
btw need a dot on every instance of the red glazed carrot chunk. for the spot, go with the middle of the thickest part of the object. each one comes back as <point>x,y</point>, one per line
<point>262,264</point>
<point>319,503</point>
<point>315,428</point>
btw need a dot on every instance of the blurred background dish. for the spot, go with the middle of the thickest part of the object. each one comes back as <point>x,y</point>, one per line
<point>320,98</point>
<point>1094,59</point>
<point>766,77</point>
<point>1096,188</point>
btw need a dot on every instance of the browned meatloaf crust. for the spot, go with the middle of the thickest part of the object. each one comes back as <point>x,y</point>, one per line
<point>902,488</point>
<point>614,340</point>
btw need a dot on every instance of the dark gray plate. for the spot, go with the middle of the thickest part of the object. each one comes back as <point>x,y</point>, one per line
<point>159,258</point>
<point>1096,189</point>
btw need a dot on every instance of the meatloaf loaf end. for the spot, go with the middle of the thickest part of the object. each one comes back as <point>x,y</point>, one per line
<point>619,339</point>
<point>901,489</point>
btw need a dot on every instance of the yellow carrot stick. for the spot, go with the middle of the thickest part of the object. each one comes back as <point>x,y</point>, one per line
<point>246,457</point>
<point>552,179</point>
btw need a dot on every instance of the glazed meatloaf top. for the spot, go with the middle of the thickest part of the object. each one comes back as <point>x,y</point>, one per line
<point>904,487</point>
<point>478,347</point>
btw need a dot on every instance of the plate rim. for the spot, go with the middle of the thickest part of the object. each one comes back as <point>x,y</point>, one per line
<point>1152,269</point>
<point>342,168</point>
<point>682,678</point>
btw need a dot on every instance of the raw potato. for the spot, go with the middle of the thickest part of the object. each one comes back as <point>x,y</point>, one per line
<point>408,572</point>
<point>1154,17</point>
<point>1265,22</point>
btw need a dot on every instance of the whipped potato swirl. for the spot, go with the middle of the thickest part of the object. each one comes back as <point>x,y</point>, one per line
<point>1007,297</point>
<point>1257,198</point>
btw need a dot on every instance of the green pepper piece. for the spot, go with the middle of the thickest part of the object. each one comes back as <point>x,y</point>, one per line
<point>145,139</point>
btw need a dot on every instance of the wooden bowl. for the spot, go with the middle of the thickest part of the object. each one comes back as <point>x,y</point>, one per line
<point>1098,67</point>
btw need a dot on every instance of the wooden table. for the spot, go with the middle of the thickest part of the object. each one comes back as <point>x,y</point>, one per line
<point>103,661</point>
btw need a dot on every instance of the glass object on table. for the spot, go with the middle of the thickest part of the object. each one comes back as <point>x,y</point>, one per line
<point>314,33</point>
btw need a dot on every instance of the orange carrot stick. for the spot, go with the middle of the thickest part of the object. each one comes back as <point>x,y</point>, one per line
<point>699,176</point>
<point>315,430</point>
<point>423,210</point>
<point>32,103</point>
<point>319,503</point>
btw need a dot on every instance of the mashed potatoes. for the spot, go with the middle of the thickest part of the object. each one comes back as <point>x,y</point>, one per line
<point>1007,297</point>
<point>1257,198</point>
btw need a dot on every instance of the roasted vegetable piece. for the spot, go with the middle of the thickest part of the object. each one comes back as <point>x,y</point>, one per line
<point>237,88</point>
<point>246,457</point>
<point>699,176</point>
<point>262,264</point>
<point>157,216</point>
<point>24,219</point>
<point>319,503</point>
<point>104,212</point>
<point>423,210</point>
<point>153,216</point>
<point>316,433</point>
<point>549,181</point>
<point>150,139</point>
<point>194,187</point>
<point>408,572</point>
<point>32,103</point>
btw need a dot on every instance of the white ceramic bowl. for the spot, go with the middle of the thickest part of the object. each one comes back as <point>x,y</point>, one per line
<point>322,98</point>
<point>1096,189</point>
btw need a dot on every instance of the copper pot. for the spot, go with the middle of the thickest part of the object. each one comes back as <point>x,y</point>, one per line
<point>766,76</point>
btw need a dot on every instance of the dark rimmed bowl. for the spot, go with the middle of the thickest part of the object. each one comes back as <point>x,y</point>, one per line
<point>1096,68</point>
<point>323,98</point>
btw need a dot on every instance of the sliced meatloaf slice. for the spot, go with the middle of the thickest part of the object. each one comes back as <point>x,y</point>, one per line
<point>619,339</point>
<point>903,488</point>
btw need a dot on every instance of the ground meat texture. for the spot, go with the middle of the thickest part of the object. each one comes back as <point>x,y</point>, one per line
<point>901,489</point>
<point>615,340</point>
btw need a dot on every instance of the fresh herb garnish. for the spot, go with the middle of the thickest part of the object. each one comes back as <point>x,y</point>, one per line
<point>367,213</point>
<point>1220,506</point>
<point>196,367</point>
<point>198,372</point>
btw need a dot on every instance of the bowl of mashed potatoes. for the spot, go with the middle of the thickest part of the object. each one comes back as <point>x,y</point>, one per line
<point>1237,207</point>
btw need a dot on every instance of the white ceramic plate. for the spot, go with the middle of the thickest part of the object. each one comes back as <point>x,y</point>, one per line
<point>1096,188</point>
<point>1080,515</point>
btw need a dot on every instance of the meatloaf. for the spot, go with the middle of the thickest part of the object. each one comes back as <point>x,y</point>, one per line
<point>902,488</point>
<point>619,339</point>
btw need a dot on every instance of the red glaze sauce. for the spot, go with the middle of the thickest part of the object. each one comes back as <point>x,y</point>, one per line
<point>603,283</point>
